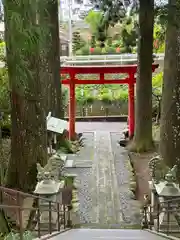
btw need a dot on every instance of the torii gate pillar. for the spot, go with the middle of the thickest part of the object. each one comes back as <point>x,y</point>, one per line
<point>131,105</point>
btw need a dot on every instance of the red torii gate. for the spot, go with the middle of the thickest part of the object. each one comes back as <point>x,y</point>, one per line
<point>72,71</point>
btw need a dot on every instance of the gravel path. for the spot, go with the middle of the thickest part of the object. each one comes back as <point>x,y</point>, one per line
<point>105,200</point>
<point>129,207</point>
<point>84,194</point>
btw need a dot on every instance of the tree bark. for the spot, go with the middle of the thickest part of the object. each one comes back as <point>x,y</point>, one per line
<point>28,138</point>
<point>52,58</point>
<point>143,112</point>
<point>55,58</point>
<point>170,109</point>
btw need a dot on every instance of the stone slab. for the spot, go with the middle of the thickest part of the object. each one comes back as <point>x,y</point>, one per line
<point>108,234</point>
<point>69,163</point>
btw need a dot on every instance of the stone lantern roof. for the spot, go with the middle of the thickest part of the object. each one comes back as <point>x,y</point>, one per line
<point>48,186</point>
<point>165,189</point>
<point>168,187</point>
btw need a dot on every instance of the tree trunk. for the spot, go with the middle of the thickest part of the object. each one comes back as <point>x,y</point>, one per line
<point>28,138</point>
<point>55,57</point>
<point>170,109</point>
<point>49,18</point>
<point>143,113</point>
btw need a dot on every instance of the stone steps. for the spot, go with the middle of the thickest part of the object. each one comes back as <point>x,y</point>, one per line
<point>107,226</point>
<point>108,234</point>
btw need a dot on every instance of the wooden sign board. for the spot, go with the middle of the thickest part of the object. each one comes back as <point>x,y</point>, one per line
<point>56,125</point>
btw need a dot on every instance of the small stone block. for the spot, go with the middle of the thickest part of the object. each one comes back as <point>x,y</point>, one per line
<point>69,163</point>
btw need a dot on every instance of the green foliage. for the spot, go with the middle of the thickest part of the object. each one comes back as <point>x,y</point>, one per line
<point>93,19</point>
<point>64,95</point>
<point>97,51</point>
<point>2,51</point>
<point>93,41</point>
<point>98,25</point>
<point>83,51</point>
<point>122,95</point>
<point>106,98</point>
<point>25,38</point>
<point>157,82</point>
<point>16,236</point>
<point>128,34</point>
<point>4,89</point>
<point>103,44</point>
<point>77,41</point>
<point>113,10</point>
<point>117,43</point>
<point>110,50</point>
<point>105,93</point>
<point>159,35</point>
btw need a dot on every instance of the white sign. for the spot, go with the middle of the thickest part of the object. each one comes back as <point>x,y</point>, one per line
<point>56,125</point>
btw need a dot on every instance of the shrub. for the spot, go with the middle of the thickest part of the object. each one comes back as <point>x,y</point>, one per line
<point>122,95</point>
<point>106,98</point>
<point>157,83</point>
<point>4,89</point>
<point>116,43</point>
<point>83,51</point>
<point>4,159</point>
<point>16,236</point>
<point>97,51</point>
<point>110,50</point>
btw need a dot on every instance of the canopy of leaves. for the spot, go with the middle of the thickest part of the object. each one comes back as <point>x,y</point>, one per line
<point>112,10</point>
<point>94,20</point>
<point>98,25</point>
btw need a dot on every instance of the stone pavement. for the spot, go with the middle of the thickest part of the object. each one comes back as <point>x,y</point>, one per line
<point>104,185</point>
<point>103,190</point>
<point>106,204</point>
<point>107,234</point>
<point>85,156</point>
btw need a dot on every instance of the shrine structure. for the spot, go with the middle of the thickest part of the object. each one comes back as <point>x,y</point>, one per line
<point>101,70</point>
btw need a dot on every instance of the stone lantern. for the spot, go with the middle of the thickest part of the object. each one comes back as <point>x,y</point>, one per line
<point>51,190</point>
<point>168,192</point>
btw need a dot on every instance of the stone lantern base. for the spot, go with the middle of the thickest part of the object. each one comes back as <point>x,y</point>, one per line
<point>165,224</point>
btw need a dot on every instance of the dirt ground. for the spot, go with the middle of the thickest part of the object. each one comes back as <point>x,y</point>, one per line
<point>140,162</point>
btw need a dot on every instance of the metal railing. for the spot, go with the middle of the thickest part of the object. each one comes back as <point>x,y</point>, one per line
<point>121,59</point>
<point>152,217</point>
<point>13,208</point>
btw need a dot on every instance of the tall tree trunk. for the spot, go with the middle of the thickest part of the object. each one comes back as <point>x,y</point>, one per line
<point>170,111</point>
<point>143,113</point>
<point>28,138</point>
<point>55,57</point>
<point>49,18</point>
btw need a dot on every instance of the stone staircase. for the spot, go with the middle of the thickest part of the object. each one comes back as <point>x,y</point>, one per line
<point>108,234</point>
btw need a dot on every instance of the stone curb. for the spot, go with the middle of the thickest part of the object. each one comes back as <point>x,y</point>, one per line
<point>133,179</point>
<point>161,234</point>
<point>54,234</point>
